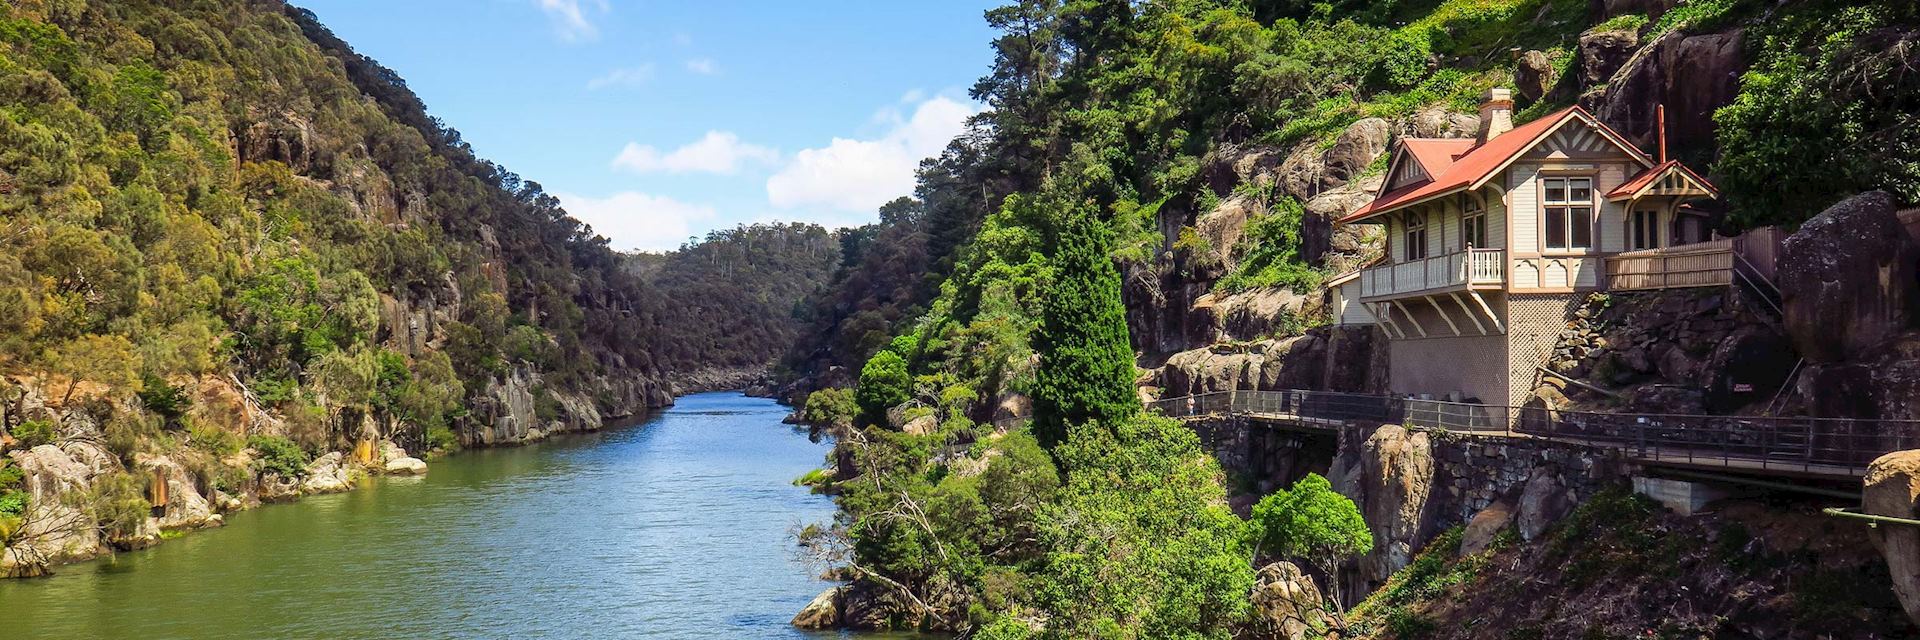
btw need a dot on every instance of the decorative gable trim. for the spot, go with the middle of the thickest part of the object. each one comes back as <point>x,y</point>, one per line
<point>1589,124</point>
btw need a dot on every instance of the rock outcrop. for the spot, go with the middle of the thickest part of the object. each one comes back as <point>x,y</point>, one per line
<point>1340,358</point>
<point>186,508</point>
<point>823,612</point>
<point>1892,488</point>
<point>1390,478</point>
<point>1603,53</point>
<point>1485,527</point>
<point>406,466</point>
<point>1692,75</point>
<point>327,474</point>
<point>1287,605</point>
<point>1847,277</point>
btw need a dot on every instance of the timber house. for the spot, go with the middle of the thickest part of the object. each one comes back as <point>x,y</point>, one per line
<point>1493,241</point>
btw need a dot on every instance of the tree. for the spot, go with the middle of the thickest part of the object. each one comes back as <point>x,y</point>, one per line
<point>1086,362</point>
<point>884,384</point>
<point>105,360</point>
<point>1313,522</point>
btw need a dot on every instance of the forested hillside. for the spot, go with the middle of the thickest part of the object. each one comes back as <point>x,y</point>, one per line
<point>1162,176</point>
<point>230,245</point>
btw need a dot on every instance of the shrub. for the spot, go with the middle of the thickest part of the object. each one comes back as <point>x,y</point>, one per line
<point>34,433</point>
<point>884,383</point>
<point>279,455</point>
<point>830,407</point>
<point>217,441</point>
<point>168,401</point>
<point>118,503</point>
<point>1312,522</point>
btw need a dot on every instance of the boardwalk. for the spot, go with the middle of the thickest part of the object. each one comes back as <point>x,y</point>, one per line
<point>1784,446</point>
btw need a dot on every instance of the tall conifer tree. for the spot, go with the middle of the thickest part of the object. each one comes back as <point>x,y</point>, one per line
<point>1086,363</point>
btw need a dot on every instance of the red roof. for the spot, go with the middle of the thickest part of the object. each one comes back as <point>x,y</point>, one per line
<point>1435,155</point>
<point>1652,174</point>
<point>1474,165</point>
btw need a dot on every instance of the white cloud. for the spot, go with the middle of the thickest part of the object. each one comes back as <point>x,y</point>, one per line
<point>703,66</point>
<point>626,77</point>
<point>861,175</point>
<point>571,19</point>
<point>719,152</point>
<point>635,221</point>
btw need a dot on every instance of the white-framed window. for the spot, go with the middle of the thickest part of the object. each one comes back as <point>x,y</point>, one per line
<point>1473,222</point>
<point>1416,236</point>
<point>1568,209</point>
<point>1644,229</point>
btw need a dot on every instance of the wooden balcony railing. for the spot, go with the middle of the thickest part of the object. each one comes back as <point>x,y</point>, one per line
<point>1459,270</point>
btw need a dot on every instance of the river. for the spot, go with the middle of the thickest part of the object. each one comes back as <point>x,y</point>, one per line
<point>674,528</point>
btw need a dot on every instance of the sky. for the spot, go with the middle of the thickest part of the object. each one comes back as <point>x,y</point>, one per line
<point>658,121</point>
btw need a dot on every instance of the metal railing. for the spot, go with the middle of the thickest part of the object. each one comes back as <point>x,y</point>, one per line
<point>1819,446</point>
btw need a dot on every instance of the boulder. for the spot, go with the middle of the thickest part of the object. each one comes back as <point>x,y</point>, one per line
<point>186,508</point>
<point>327,474</point>
<point>822,613</point>
<point>406,466</point>
<point>1439,123</point>
<point>1892,488</point>
<point>1356,148</point>
<point>1534,75</point>
<point>921,426</point>
<point>1603,53</point>
<point>1012,406</point>
<point>1396,479</point>
<point>1691,74</point>
<point>1748,366</point>
<point>1543,502</point>
<point>1485,526</point>
<point>1287,605</point>
<point>1847,279</point>
<point>55,529</point>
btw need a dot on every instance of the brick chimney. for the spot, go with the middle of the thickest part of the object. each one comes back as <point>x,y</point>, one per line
<point>1496,113</point>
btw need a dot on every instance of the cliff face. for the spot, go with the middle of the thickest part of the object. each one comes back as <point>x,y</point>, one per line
<point>237,250</point>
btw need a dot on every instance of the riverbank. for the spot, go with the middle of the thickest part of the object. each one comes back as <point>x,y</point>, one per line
<point>675,526</point>
<point>114,488</point>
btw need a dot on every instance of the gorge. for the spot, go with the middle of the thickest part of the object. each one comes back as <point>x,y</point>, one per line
<point>1392,319</point>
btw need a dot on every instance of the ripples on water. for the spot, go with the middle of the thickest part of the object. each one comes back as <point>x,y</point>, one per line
<point>676,528</point>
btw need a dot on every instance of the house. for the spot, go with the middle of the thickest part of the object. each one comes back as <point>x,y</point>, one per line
<point>1493,241</point>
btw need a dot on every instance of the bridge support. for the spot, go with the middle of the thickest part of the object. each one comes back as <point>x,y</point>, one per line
<point>1685,497</point>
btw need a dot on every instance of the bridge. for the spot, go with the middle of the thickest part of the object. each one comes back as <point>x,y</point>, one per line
<point>1825,448</point>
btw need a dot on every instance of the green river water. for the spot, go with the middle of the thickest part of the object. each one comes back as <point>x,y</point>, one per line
<point>677,527</point>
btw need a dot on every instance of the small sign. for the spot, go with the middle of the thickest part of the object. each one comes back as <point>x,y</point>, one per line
<point>1742,388</point>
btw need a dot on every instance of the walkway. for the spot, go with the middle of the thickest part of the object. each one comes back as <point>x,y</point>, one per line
<point>1812,447</point>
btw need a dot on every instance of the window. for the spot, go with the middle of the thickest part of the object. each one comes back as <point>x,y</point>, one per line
<point>1569,213</point>
<point>1473,222</point>
<point>1645,230</point>
<point>1416,236</point>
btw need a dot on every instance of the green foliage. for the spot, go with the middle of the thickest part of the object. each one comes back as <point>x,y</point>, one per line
<point>1827,110</point>
<point>13,497</point>
<point>278,455</point>
<point>117,501</point>
<point>1312,521</point>
<point>212,439</point>
<point>168,401</point>
<point>33,433</point>
<point>1622,22</point>
<point>1696,15</point>
<point>1141,542</point>
<point>1271,253</point>
<point>884,384</point>
<point>830,407</point>
<point>1086,363</point>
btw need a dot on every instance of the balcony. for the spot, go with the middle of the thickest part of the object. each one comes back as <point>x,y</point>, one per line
<point>1476,268</point>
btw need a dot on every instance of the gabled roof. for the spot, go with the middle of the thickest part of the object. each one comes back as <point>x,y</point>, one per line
<point>1670,173</point>
<point>1472,166</point>
<point>1436,155</point>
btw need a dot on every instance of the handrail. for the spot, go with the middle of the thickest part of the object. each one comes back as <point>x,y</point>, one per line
<point>1766,443</point>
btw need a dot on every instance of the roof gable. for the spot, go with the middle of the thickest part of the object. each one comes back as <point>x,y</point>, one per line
<point>1472,166</point>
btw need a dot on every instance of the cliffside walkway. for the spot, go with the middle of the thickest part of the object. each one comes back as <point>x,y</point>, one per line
<point>1787,446</point>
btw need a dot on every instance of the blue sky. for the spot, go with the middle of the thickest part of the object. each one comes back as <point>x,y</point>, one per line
<point>655,121</point>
